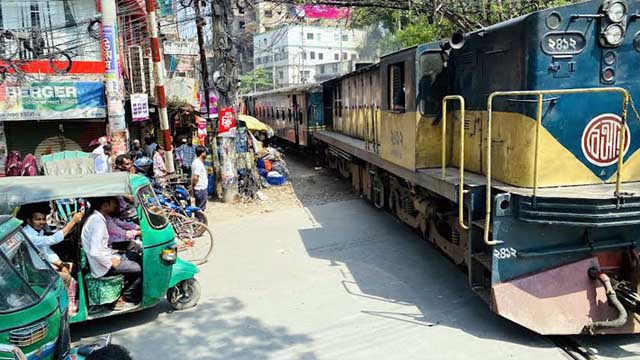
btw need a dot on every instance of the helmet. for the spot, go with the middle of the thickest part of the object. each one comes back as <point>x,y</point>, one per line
<point>144,166</point>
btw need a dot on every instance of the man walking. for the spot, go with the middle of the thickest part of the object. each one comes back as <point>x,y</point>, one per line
<point>199,180</point>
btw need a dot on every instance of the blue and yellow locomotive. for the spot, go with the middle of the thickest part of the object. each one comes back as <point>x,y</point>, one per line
<point>502,147</point>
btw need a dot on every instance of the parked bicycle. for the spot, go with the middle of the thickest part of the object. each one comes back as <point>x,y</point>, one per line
<point>194,239</point>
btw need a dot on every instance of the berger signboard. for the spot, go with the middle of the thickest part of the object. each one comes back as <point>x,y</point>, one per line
<point>52,101</point>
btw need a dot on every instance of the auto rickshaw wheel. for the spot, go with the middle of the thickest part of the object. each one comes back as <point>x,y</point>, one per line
<point>184,295</point>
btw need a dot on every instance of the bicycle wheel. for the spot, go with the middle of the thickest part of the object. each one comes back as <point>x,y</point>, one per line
<point>194,239</point>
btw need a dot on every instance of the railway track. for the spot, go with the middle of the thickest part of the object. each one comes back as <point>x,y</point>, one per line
<point>574,350</point>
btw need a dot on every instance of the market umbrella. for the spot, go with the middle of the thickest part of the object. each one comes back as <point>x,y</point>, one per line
<point>253,124</point>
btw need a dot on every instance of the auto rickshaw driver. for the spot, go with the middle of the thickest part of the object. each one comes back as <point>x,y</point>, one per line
<point>101,258</point>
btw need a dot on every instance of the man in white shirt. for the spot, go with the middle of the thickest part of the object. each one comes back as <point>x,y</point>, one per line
<point>199,180</point>
<point>35,217</point>
<point>102,260</point>
<point>101,143</point>
<point>103,164</point>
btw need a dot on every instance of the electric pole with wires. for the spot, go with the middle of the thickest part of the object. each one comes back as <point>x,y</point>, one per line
<point>225,81</point>
<point>204,68</point>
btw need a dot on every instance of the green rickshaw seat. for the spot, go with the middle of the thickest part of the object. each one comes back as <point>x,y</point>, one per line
<point>104,290</point>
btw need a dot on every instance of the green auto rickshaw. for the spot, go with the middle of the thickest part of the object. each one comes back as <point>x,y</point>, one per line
<point>33,301</point>
<point>163,273</point>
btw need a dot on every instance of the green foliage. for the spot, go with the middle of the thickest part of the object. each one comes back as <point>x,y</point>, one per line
<point>263,81</point>
<point>391,30</point>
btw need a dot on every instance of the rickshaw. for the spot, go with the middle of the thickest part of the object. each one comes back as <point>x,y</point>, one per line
<point>33,301</point>
<point>163,272</point>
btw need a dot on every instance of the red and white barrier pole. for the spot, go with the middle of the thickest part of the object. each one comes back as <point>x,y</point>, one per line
<point>158,67</point>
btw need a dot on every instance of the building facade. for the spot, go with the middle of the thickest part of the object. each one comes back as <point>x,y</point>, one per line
<point>51,77</point>
<point>295,54</point>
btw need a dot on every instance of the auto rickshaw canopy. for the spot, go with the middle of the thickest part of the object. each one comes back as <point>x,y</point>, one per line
<point>16,191</point>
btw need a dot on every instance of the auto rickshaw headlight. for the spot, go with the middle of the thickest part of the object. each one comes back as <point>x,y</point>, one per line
<point>169,255</point>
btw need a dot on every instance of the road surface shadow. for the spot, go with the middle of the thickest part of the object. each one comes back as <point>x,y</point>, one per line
<point>215,329</point>
<point>387,262</point>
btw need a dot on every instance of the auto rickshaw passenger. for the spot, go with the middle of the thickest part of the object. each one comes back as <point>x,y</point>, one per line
<point>124,163</point>
<point>102,261</point>
<point>35,217</point>
<point>123,234</point>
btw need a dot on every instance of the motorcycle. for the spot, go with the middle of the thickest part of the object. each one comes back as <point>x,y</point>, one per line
<point>173,195</point>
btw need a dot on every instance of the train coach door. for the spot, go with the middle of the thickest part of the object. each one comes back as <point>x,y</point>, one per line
<point>296,118</point>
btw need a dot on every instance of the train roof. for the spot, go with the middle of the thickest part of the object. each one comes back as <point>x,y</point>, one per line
<point>289,89</point>
<point>407,49</point>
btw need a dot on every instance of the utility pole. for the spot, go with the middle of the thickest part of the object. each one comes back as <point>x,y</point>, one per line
<point>158,67</point>
<point>226,86</point>
<point>203,55</point>
<point>113,81</point>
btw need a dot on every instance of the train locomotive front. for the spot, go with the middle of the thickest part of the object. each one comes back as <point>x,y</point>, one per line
<point>524,188</point>
<point>554,93</point>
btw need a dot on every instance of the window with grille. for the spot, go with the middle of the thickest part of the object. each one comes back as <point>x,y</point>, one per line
<point>397,94</point>
<point>137,73</point>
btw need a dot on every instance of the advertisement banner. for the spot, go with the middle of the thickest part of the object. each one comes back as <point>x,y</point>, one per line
<point>325,12</point>
<point>139,107</point>
<point>202,129</point>
<point>52,101</point>
<point>110,50</point>
<point>213,105</point>
<point>227,124</point>
<point>181,47</point>
<point>181,89</point>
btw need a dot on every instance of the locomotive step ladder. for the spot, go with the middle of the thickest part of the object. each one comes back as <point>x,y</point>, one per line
<point>479,258</point>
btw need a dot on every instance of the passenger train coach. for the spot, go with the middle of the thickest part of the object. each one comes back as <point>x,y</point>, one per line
<point>501,147</point>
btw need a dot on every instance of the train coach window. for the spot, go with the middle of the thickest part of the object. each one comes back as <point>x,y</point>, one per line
<point>397,87</point>
<point>433,83</point>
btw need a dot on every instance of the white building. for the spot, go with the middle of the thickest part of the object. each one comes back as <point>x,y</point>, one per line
<point>298,50</point>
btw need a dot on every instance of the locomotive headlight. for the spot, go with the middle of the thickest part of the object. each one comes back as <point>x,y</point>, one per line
<point>614,34</point>
<point>616,12</point>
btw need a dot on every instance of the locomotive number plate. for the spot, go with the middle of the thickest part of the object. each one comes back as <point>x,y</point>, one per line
<point>563,43</point>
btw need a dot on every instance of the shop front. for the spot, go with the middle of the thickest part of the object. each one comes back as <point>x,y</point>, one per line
<point>47,116</point>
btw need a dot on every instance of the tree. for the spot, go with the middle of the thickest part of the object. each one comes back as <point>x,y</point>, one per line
<point>392,26</point>
<point>263,81</point>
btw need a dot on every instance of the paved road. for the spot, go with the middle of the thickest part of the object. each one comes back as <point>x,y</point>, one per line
<point>337,280</point>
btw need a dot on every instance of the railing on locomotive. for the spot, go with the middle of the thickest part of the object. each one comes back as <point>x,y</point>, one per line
<point>461,190</point>
<point>540,99</point>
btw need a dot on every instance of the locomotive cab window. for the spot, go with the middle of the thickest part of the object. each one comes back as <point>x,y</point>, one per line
<point>397,87</point>
<point>433,83</point>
